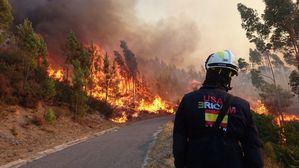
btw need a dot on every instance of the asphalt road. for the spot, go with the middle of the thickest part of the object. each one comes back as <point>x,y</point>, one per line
<point>125,148</point>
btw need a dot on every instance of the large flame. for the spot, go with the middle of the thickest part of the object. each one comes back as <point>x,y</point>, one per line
<point>154,107</point>
<point>135,96</point>
<point>260,108</point>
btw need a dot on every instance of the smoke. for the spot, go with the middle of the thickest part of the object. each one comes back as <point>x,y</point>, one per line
<point>106,22</point>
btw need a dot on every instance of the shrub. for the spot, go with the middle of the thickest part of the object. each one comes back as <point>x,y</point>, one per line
<point>50,116</point>
<point>31,94</point>
<point>38,121</point>
<point>268,131</point>
<point>287,156</point>
<point>49,89</point>
<point>63,92</point>
<point>269,150</point>
<point>79,103</point>
<point>292,133</point>
<point>102,107</point>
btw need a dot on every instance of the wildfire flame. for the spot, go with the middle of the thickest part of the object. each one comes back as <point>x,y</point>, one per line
<point>157,105</point>
<point>260,108</point>
<point>129,92</point>
<point>55,74</point>
<point>122,119</point>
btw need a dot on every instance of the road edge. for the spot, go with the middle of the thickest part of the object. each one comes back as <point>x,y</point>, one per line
<point>21,162</point>
<point>151,145</point>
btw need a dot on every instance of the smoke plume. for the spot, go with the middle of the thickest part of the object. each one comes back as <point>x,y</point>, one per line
<point>106,22</point>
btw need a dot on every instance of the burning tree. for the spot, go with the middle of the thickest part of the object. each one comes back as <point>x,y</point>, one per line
<point>111,81</point>
<point>131,63</point>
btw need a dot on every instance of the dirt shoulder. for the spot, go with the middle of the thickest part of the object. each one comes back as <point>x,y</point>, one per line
<point>160,155</point>
<point>21,138</point>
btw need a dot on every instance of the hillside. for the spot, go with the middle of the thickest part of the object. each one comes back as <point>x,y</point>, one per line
<point>24,132</point>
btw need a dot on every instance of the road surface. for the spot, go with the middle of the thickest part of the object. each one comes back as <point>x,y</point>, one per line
<point>125,148</point>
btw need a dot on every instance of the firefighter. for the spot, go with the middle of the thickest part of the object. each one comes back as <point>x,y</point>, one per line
<point>213,128</point>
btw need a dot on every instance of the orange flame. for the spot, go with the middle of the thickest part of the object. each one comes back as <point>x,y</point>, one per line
<point>129,92</point>
<point>55,74</point>
<point>122,119</point>
<point>157,105</point>
<point>260,108</point>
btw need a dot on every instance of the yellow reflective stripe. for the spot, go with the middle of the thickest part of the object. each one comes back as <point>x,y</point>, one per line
<point>225,119</point>
<point>211,117</point>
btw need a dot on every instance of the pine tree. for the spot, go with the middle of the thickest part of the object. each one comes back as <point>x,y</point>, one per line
<point>32,49</point>
<point>72,50</point>
<point>6,19</point>
<point>114,84</point>
<point>78,97</point>
<point>131,62</point>
<point>107,80</point>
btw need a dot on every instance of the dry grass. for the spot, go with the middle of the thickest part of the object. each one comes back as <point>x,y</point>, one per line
<point>19,138</point>
<point>160,155</point>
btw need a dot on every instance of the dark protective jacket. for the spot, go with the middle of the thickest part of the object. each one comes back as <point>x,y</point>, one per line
<point>235,145</point>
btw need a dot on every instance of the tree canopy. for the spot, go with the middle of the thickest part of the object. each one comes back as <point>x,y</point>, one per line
<point>6,18</point>
<point>277,29</point>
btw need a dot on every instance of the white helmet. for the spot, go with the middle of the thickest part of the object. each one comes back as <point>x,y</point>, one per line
<point>223,59</point>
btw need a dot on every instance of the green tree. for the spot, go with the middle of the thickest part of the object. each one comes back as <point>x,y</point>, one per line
<point>32,47</point>
<point>256,79</point>
<point>76,53</point>
<point>79,58</point>
<point>243,65</point>
<point>255,57</point>
<point>6,19</point>
<point>294,82</point>
<point>72,50</point>
<point>49,89</point>
<point>277,30</point>
<point>78,97</point>
<point>268,130</point>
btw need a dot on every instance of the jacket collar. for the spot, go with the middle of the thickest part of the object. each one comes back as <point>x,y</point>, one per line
<point>213,87</point>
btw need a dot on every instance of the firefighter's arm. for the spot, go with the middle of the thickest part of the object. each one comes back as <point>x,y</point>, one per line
<point>179,137</point>
<point>252,144</point>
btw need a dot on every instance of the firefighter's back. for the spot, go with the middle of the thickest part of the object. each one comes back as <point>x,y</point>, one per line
<point>207,148</point>
<point>201,139</point>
